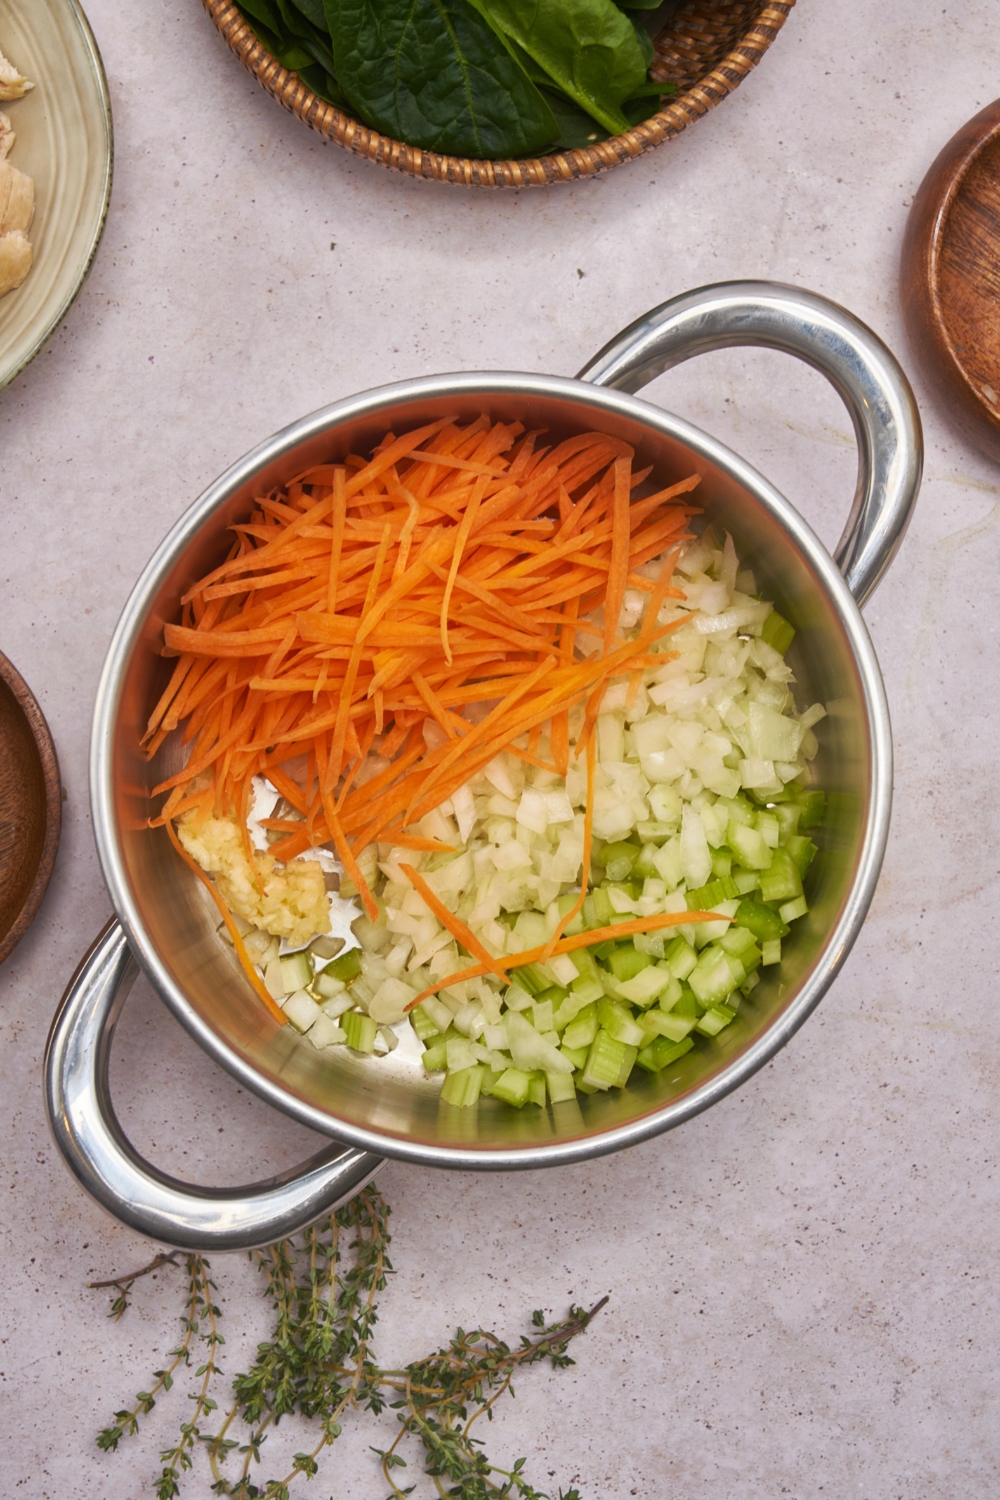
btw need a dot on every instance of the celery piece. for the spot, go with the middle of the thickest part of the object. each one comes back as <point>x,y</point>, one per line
<point>435,1058</point>
<point>749,846</point>
<point>512,1087</point>
<point>813,808</point>
<point>722,864</point>
<point>531,979</point>
<point>605,1061</point>
<point>672,993</point>
<point>746,881</point>
<point>707,897</point>
<point>645,865</point>
<point>486,1082</point>
<point>792,910</point>
<point>361,1031</point>
<point>582,1087</point>
<point>687,1005</point>
<point>516,997</point>
<point>463,1088</point>
<point>603,951</point>
<point>771,951</point>
<point>326,987</point>
<point>660,1053</point>
<point>536,1088</point>
<point>347,967</point>
<point>680,958</point>
<point>301,1010</point>
<point>777,632</point>
<point>619,859</point>
<point>716,976</point>
<point>803,852</point>
<point>787,814</point>
<point>554,996</point>
<point>560,1086</point>
<point>597,909</point>
<point>628,1063</point>
<point>618,1023</point>
<point>713,1020</point>
<point>626,961</point>
<point>576,1002</point>
<point>422,1024</point>
<point>566,904</point>
<point>586,966</point>
<point>781,882</point>
<point>675,1028</point>
<point>647,986</point>
<point>541,1014</point>
<point>761,920</point>
<point>768,828</point>
<point>576,1055</point>
<point>586,990</point>
<point>296,971</point>
<point>737,809</point>
<point>581,1031</point>
<point>738,940</point>
<point>653,832</point>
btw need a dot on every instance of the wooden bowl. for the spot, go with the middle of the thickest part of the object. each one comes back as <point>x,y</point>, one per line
<point>707,48</point>
<point>951,278</point>
<point>30,807</point>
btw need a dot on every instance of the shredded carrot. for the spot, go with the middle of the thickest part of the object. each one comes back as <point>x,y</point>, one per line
<point>570,945</point>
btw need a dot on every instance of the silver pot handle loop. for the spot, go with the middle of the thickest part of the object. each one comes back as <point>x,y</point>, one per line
<point>100,1156</point>
<point>854,360</point>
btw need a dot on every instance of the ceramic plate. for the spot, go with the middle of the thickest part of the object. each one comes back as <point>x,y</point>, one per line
<point>64,142</point>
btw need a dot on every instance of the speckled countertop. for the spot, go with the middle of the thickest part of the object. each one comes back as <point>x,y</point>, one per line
<point>801,1278</point>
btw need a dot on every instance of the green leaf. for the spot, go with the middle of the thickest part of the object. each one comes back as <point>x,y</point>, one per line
<point>434,74</point>
<point>588,47</point>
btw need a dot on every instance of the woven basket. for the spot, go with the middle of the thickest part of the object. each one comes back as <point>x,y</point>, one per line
<point>707,48</point>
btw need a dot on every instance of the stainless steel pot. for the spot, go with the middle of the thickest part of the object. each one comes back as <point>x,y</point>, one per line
<point>384,1108</point>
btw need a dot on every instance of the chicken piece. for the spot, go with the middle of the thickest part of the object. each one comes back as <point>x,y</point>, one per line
<point>12,85</point>
<point>17,198</point>
<point>7,136</point>
<point>15,260</point>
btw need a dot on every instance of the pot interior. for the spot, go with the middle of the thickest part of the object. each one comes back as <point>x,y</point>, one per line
<point>388,1104</point>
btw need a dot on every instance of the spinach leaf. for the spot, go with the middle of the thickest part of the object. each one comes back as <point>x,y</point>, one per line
<point>576,127</point>
<point>588,48</point>
<point>314,12</point>
<point>434,74</point>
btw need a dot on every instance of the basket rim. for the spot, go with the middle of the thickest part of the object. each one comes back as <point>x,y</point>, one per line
<point>344,130</point>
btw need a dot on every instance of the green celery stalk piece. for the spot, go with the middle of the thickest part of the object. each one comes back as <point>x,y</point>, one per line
<point>536,1088</point>
<point>345,968</point>
<point>512,1087</point>
<point>588,48</point>
<point>777,632</point>
<point>626,961</point>
<point>462,1087</point>
<point>434,73</point>
<point>361,1031</point>
<point>661,1053</point>
<point>560,1086</point>
<point>760,920</point>
<point>605,1061</point>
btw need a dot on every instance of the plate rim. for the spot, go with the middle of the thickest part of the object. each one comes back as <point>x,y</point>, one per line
<point>97,65</point>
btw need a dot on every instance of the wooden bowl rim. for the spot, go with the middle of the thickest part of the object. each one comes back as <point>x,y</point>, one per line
<point>564,166</point>
<point>42,737</point>
<point>956,158</point>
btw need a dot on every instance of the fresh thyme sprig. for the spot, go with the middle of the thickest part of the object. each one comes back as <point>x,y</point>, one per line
<point>319,1363</point>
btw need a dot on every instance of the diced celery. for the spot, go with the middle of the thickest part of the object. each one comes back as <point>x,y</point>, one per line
<point>531,978</point>
<point>435,1058</point>
<point>712,1022</point>
<point>486,1082</point>
<point>716,976</point>
<point>813,805</point>
<point>531,929</point>
<point>463,1087</point>
<point>688,1005</point>
<point>512,1086</point>
<point>673,991</point>
<point>749,846</point>
<point>575,1003</point>
<point>605,1061</point>
<point>777,632</point>
<point>597,909</point>
<point>516,997</point>
<point>554,995</point>
<point>541,1014</point>
<point>645,865</point>
<point>737,809</point>
<point>746,881</point>
<point>787,814</point>
<point>581,1031</point>
<point>738,940</point>
<point>536,1087</point>
<point>761,920</point>
<point>626,961</point>
<point>576,1055</point>
<point>647,986</point>
<point>628,1063</point>
<point>768,828</point>
<point>680,958</point>
<point>722,864</point>
<point>297,971</point>
<point>658,1054</point>
<point>422,1024</point>
<point>566,904</point>
<point>707,897</point>
<point>560,1086</point>
<point>803,852</point>
<point>361,1031</point>
<point>672,1026</point>
<point>325,948</point>
<point>347,967</point>
<point>771,951</point>
<point>652,832</point>
<point>586,990</point>
<point>301,1010</point>
<point>326,987</point>
<point>792,910</point>
<point>618,1023</point>
<point>586,966</point>
<point>618,859</point>
<point>781,882</point>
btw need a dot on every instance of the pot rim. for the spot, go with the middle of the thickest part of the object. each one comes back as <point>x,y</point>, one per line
<point>589,398</point>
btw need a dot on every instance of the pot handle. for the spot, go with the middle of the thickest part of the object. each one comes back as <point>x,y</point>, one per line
<point>102,1159</point>
<point>854,360</point>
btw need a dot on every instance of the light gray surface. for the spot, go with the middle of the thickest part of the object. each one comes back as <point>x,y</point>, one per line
<point>801,1277</point>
